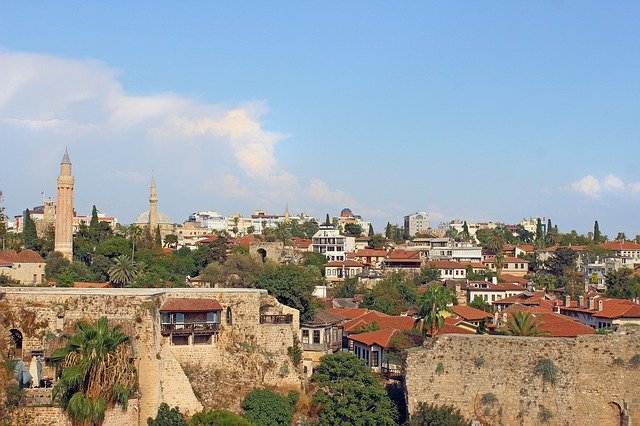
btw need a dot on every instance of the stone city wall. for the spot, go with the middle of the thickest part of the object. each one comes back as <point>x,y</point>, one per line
<point>597,381</point>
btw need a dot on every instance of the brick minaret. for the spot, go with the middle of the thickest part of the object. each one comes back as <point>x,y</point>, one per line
<point>64,209</point>
<point>153,206</point>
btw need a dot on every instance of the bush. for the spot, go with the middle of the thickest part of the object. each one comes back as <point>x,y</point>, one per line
<point>635,361</point>
<point>547,369</point>
<point>479,362</point>
<point>618,361</point>
<point>167,417</point>
<point>545,415</point>
<point>440,368</point>
<point>438,415</point>
<point>267,408</point>
<point>488,399</point>
<point>295,352</point>
<point>218,418</point>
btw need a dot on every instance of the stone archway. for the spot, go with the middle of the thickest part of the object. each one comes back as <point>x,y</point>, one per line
<point>262,253</point>
<point>16,338</point>
<point>611,415</point>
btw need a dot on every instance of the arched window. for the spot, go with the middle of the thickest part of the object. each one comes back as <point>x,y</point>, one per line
<point>229,317</point>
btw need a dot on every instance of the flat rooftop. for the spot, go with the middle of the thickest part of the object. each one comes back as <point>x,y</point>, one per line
<point>70,291</point>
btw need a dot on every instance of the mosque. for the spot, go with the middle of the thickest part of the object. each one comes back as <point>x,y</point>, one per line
<point>154,218</point>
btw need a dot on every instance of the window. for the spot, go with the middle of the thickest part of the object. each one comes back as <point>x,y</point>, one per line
<point>164,318</point>
<point>179,340</point>
<point>305,336</point>
<point>316,336</point>
<point>213,317</point>
<point>202,339</point>
<point>375,358</point>
<point>179,318</point>
<point>229,318</point>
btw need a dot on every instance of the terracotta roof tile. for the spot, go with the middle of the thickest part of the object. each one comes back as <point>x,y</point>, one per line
<point>378,337</point>
<point>190,305</point>
<point>470,314</point>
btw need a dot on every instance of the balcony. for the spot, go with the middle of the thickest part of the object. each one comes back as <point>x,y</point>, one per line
<point>187,328</point>
<point>322,347</point>
<point>276,319</point>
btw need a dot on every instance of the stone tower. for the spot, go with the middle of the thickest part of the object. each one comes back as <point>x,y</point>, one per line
<point>153,206</point>
<point>64,209</point>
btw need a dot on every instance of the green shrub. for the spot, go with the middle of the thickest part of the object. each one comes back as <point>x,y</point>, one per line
<point>267,408</point>
<point>547,369</point>
<point>634,362</point>
<point>167,417</point>
<point>438,415</point>
<point>218,418</point>
<point>488,399</point>
<point>479,362</point>
<point>618,361</point>
<point>295,352</point>
<point>545,415</point>
<point>440,368</point>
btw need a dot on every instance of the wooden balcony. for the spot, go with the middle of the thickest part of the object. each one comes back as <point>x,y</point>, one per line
<point>276,319</point>
<point>190,328</point>
<point>322,347</point>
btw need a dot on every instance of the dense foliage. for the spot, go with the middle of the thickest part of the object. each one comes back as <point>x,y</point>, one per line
<point>349,393</point>
<point>167,417</point>
<point>394,294</point>
<point>431,306</point>
<point>267,408</point>
<point>438,415</point>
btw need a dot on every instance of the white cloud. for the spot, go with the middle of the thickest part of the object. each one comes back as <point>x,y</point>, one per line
<point>320,191</point>
<point>588,185</point>
<point>611,184</point>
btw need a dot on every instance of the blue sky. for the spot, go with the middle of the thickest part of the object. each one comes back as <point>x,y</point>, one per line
<point>473,110</point>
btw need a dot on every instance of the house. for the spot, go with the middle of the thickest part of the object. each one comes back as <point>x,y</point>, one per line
<point>190,321</point>
<point>539,299</point>
<point>26,267</point>
<point>601,312</point>
<point>302,244</point>
<point>550,324</point>
<point>623,249</point>
<point>492,291</point>
<point>319,337</point>
<point>328,241</point>
<point>512,265</point>
<point>374,347</point>
<point>339,270</point>
<point>372,258</point>
<point>470,315</point>
<point>402,260</point>
<point>455,270</point>
<point>517,250</point>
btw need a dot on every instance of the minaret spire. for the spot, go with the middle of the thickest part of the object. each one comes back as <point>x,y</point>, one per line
<point>64,209</point>
<point>153,204</point>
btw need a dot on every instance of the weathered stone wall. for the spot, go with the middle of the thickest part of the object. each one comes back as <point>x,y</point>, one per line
<point>596,382</point>
<point>54,416</point>
<point>245,351</point>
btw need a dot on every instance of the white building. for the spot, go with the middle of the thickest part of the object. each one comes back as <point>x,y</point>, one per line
<point>415,223</point>
<point>210,219</point>
<point>329,242</point>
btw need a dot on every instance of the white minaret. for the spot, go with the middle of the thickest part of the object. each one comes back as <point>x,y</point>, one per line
<point>64,209</point>
<point>153,206</point>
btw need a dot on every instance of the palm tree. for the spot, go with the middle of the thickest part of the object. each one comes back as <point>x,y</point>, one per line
<point>96,372</point>
<point>433,302</point>
<point>499,264</point>
<point>135,233</point>
<point>523,324</point>
<point>552,237</point>
<point>496,241</point>
<point>123,271</point>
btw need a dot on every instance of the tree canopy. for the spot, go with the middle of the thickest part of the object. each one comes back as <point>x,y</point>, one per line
<point>265,407</point>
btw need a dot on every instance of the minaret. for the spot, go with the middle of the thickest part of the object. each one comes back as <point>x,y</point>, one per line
<point>64,209</point>
<point>153,206</point>
<point>287,218</point>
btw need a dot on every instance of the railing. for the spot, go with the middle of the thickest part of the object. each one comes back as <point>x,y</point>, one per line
<point>190,328</point>
<point>276,319</point>
<point>391,373</point>
<point>334,346</point>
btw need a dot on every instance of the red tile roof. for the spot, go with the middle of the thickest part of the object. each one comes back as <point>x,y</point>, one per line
<point>368,253</point>
<point>243,241</point>
<point>611,308</point>
<point>531,299</point>
<point>378,337</point>
<point>450,264</point>
<point>508,278</point>
<point>474,285</point>
<point>469,314</point>
<point>507,259</point>
<point>25,256</point>
<point>349,313</point>
<point>190,305</point>
<point>346,263</point>
<point>554,325</point>
<point>620,245</point>
<point>403,256</point>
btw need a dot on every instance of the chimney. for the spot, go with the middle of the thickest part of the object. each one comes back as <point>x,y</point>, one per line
<point>592,303</point>
<point>494,280</point>
<point>580,301</point>
<point>556,308</point>
<point>567,300</point>
<point>600,305</point>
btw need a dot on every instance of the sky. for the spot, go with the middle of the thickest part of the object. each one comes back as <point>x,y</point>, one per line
<point>474,110</point>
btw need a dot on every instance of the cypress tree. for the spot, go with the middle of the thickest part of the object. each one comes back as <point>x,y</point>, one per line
<point>157,238</point>
<point>465,230</point>
<point>387,232</point>
<point>539,233</point>
<point>597,236</point>
<point>549,227</point>
<point>29,234</point>
<point>371,230</point>
<point>94,218</point>
<point>327,220</point>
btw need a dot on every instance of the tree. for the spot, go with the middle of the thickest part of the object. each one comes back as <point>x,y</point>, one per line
<point>438,415</point>
<point>427,274</point>
<point>314,259</point>
<point>292,286</point>
<point>218,418</point>
<point>377,241</point>
<point>96,371</point>
<point>549,226</point>
<point>523,324</point>
<point>561,259</point>
<point>539,233</point>
<point>265,407</point>
<point>388,232</point>
<point>347,288</point>
<point>167,417</point>
<point>353,229</point>
<point>327,221</point>
<point>29,234</point>
<point>135,234</point>
<point>572,281</point>
<point>623,284</point>
<point>350,394</point>
<point>123,271</point>
<point>371,233</point>
<point>394,294</point>
<point>430,307</point>
<point>479,303</point>
<point>597,236</point>
<point>309,228</point>
<point>500,262</point>
<point>55,264</point>
<point>171,240</point>
<point>157,237</point>
<point>465,231</point>
<point>94,218</point>
<point>237,271</point>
